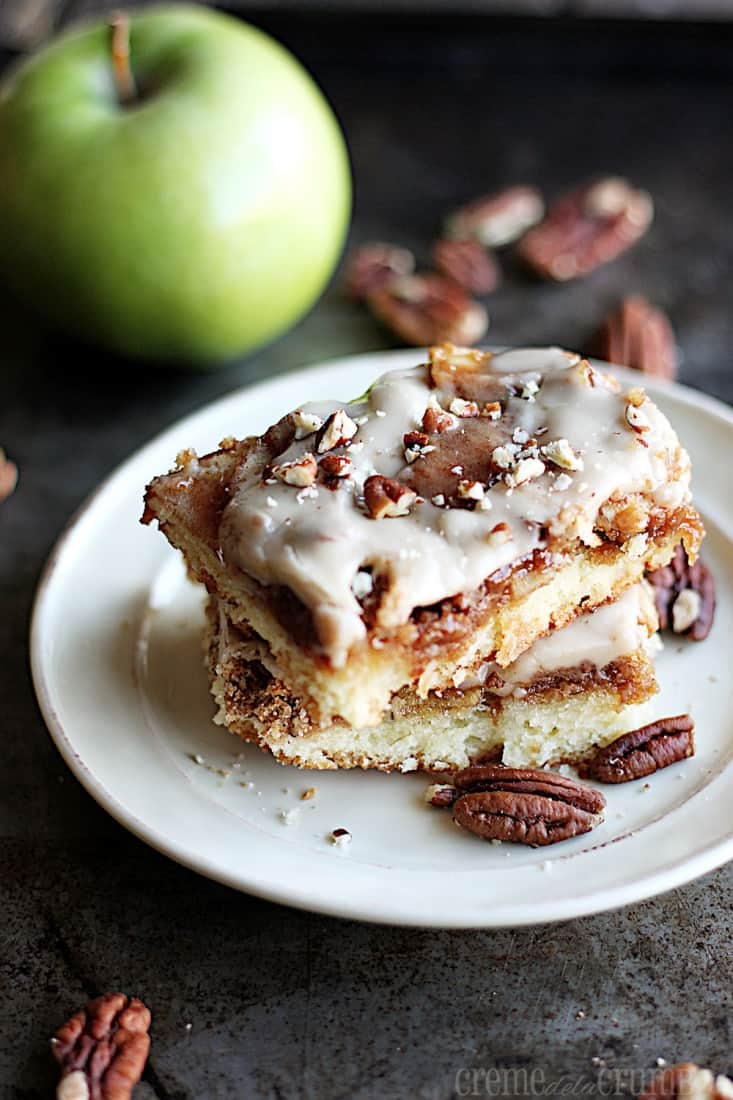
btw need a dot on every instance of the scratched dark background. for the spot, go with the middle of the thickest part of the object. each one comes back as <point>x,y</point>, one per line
<point>282,1004</point>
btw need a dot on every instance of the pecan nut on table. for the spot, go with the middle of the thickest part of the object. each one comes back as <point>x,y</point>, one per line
<point>102,1050</point>
<point>638,335</point>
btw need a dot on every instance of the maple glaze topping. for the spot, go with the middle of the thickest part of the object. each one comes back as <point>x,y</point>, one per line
<point>527,446</point>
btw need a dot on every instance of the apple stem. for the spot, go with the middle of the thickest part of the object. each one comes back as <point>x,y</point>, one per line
<point>124,80</point>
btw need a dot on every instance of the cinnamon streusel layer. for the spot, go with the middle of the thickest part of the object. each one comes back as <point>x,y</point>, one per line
<point>568,694</point>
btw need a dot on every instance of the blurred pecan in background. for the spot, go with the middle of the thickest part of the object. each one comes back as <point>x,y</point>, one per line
<point>8,476</point>
<point>587,228</point>
<point>375,265</point>
<point>429,309</point>
<point>468,264</point>
<point>497,219</point>
<point>102,1049</point>
<point>638,335</point>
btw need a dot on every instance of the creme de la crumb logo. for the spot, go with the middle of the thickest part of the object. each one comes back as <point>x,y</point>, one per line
<point>504,1083</point>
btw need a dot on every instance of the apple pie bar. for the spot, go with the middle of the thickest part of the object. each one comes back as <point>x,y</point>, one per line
<point>393,546</point>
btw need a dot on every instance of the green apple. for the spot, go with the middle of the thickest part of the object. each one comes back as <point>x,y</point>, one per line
<point>190,222</point>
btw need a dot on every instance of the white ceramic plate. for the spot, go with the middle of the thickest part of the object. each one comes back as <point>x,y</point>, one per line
<point>117,664</point>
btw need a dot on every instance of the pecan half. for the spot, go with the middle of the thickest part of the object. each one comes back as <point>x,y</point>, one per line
<point>685,614</point>
<point>524,805</point>
<point>643,751</point>
<point>587,228</point>
<point>689,1081</point>
<point>429,309</point>
<point>498,219</point>
<point>375,265</point>
<point>386,498</point>
<point>8,476</point>
<point>102,1049</point>
<point>638,335</point>
<point>468,264</point>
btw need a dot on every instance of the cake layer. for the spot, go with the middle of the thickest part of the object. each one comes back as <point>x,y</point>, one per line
<point>539,710</point>
<point>457,513</point>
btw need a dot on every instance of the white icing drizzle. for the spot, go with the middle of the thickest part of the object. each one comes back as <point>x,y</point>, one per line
<point>316,540</point>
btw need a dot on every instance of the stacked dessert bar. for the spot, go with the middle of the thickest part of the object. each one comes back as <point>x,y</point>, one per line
<point>448,569</point>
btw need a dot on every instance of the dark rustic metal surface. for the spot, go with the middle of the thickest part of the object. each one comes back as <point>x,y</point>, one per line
<point>250,999</point>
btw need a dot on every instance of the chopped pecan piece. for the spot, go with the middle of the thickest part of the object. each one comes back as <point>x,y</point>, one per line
<point>337,430</point>
<point>524,805</point>
<point>642,752</point>
<point>671,583</point>
<point>8,476</point>
<point>305,423</point>
<point>586,228</point>
<point>637,419</point>
<point>387,498</point>
<point>102,1049</point>
<point>338,466</point>
<point>375,265</point>
<point>416,444</point>
<point>690,1082</point>
<point>638,335</point>
<point>560,453</point>
<point>429,309</point>
<point>415,439</point>
<point>301,471</point>
<point>470,490</point>
<point>436,419</point>
<point>498,219</point>
<point>466,410</point>
<point>468,264</point>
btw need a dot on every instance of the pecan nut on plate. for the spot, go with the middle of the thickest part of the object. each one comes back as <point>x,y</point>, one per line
<point>642,751</point>
<point>685,596</point>
<point>524,805</point>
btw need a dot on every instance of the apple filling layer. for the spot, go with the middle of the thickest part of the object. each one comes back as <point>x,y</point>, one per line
<point>569,693</point>
<point>454,515</point>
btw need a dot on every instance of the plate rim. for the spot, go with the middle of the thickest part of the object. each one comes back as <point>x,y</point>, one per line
<point>639,887</point>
